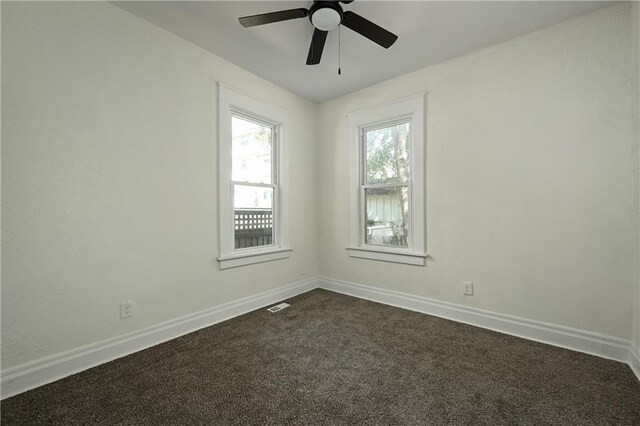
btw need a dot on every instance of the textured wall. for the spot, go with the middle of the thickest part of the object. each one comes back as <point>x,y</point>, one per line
<point>109,178</point>
<point>530,177</point>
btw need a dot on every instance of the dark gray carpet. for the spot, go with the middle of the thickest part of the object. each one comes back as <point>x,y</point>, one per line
<point>333,359</point>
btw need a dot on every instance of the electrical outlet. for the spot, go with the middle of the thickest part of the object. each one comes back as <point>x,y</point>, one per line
<point>468,288</point>
<point>126,309</point>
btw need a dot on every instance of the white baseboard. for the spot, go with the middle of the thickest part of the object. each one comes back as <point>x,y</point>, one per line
<point>45,370</point>
<point>556,335</point>
<point>634,360</point>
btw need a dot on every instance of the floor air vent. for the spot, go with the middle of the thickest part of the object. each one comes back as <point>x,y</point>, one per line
<point>277,308</point>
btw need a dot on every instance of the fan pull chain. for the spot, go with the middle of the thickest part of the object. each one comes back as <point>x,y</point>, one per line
<point>339,43</point>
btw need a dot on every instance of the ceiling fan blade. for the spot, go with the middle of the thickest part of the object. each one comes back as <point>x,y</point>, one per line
<point>364,27</point>
<point>268,18</point>
<point>317,45</point>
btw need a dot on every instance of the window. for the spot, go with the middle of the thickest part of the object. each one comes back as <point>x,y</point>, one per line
<point>252,228</point>
<point>387,183</point>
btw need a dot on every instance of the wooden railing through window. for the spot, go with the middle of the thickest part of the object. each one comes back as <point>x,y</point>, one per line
<point>253,227</point>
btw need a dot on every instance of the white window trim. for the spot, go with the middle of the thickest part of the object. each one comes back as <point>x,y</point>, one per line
<point>412,107</point>
<point>229,100</point>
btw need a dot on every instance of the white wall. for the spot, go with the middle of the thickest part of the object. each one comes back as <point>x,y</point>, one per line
<point>635,18</point>
<point>109,178</point>
<point>530,178</point>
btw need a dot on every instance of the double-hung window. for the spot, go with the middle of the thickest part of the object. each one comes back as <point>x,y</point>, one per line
<point>387,182</point>
<point>252,227</point>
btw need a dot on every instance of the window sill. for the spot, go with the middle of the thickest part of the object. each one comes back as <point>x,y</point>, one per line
<point>388,255</point>
<point>250,257</point>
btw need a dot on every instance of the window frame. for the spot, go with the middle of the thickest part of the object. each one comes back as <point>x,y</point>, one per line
<point>230,102</point>
<point>358,123</point>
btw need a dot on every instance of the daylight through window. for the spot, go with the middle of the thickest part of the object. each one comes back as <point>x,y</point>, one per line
<point>387,184</point>
<point>254,181</point>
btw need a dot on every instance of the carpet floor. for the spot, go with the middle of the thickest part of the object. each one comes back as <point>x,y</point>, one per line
<point>334,359</point>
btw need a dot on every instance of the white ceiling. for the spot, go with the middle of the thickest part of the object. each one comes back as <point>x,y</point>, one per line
<point>429,32</point>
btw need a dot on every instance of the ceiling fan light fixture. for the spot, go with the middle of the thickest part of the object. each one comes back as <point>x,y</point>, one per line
<point>325,16</point>
<point>326,19</point>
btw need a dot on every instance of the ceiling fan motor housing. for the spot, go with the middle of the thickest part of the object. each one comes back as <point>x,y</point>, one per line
<point>326,15</point>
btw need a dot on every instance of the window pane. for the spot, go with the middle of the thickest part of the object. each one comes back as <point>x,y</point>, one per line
<point>387,216</point>
<point>251,151</point>
<point>253,213</point>
<point>387,155</point>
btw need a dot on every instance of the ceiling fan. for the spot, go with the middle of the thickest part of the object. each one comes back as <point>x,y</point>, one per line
<point>325,16</point>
